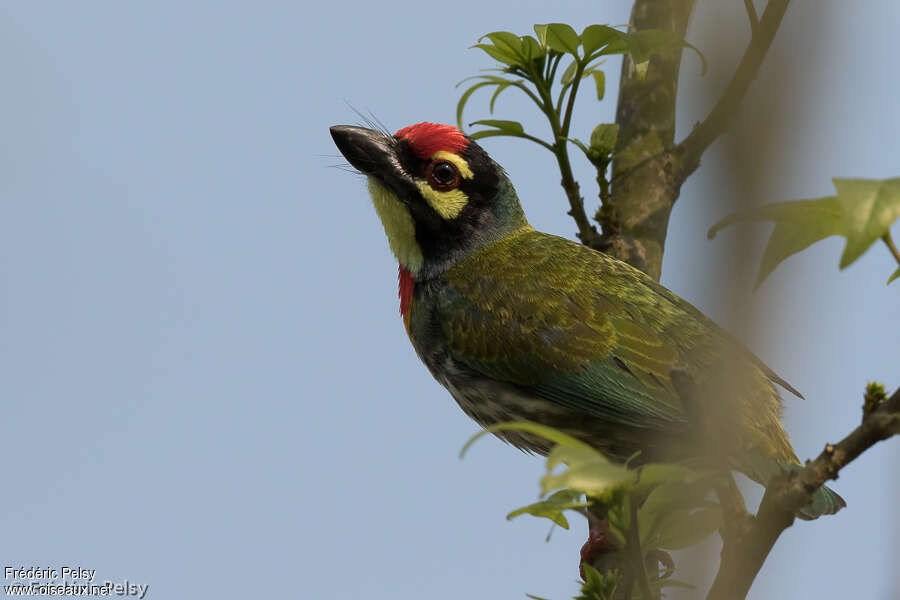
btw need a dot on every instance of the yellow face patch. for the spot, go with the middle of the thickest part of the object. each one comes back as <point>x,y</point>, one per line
<point>448,203</point>
<point>398,225</point>
<point>463,167</point>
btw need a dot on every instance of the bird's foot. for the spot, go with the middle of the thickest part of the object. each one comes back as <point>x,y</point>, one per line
<point>599,541</point>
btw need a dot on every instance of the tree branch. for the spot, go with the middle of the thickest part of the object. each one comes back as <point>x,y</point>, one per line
<point>744,555</point>
<point>692,147</point>
<point>754,18</point>
<point>735,519</point>
<point>634,214</point>
<point>586,232</point>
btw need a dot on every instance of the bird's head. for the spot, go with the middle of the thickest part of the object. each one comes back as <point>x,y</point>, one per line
<point>439,195</point>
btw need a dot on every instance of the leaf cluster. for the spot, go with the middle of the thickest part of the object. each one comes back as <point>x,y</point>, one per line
<point>596,585</point>
<point>862,211</point>
<point>530,64</point>
<point>656,506</point>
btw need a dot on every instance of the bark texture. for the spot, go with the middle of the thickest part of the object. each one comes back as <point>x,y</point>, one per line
<point>636,215</point>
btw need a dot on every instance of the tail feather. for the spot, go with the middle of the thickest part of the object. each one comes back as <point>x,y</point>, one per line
<point>825,500</point>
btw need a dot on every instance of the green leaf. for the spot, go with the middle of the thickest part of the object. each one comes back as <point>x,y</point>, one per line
<point>508,127</point>
<point>580,145</point>
<point>680,530</point>
<point>497,92</point>
<point>569,73</point>
<point>600,81</point>
<point>863,211</point>
<point>552,508</point>
<point>531,49</point>
<point>595,37</point>
<point>894,276</point>
<point>597,585</point>
<point>617,513</point>
<point>562,38</point>
<point>798,224</point>
<point>823,219</point>
<point>465,98</point>
<point>506,42</point>
<point>604,138</point>
<point>548,433</point>
<point>618,46</point>
<point>588,471</point>
<point>541,32</point>
<point>870,207</point>
<point>648,42</point>
<point>544,510</point>
<point>670,491</point>
<point>500,55</point>
<point>651,476</point>
<point>486,133</point>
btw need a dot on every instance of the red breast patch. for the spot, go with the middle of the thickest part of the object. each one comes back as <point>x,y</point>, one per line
<point>407,283</point>
<point>428,138</point>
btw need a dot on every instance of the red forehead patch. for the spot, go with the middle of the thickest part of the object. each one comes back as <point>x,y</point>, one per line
<point>428,138</point>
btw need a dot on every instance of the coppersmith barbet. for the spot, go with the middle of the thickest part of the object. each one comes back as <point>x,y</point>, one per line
<point>522,325</point>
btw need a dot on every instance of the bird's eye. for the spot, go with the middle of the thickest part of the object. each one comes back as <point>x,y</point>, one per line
<point>443,175</point>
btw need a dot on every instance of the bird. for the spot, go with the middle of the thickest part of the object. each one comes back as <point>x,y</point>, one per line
<point>520,325</point>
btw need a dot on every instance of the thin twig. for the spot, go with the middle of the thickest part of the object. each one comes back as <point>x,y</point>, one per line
<point>705,133</point>
<point>634,543</point>
<point>586,232</point>
<point>732,503</point>
<point>537,141</point>
<point>567,119</point>
<point>754,18</point>
<point>603,182</point>
<point>791,491</point>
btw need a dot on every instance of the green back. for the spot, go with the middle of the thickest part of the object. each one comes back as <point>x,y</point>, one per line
<point>595,335</point>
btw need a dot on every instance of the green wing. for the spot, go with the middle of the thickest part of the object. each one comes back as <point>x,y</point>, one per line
<point>591,333</point>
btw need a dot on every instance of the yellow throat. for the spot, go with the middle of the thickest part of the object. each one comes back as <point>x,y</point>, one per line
<point>398,225</point>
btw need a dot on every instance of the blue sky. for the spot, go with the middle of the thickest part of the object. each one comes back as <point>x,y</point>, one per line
<point>205,383</point>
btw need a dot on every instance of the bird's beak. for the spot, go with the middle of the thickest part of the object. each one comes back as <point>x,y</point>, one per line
<point>370,151</point>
